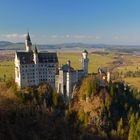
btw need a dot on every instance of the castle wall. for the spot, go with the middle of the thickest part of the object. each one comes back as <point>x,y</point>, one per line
<point>68,77</point>
<point>33,68</point>
<point>35,74</point>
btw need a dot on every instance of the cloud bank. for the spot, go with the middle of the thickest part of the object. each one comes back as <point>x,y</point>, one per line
<point>68,38</point>
<point>14,37</point>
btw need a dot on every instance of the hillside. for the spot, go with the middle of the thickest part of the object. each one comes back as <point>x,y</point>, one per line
<point>5,45</point>
<point>102,113</point>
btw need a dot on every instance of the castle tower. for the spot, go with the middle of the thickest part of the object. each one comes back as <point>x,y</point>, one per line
<point>85,61</point>
<point>36,70</point>
<point>35,55</point>
<point>108,77</point>
<point>69,86</point>
<point>28,43</point>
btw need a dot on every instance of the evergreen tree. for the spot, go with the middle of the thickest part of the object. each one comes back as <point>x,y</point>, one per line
<point>86,120</point>
<point>120,130</point>
<point>81,115</point>
<point>132,127</point>
<point>111,90</point>
<point>55,98</point>
<point>108,102</point>
<point>137,131</point>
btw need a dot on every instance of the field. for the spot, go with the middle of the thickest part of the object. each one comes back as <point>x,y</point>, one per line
<point>95,60</point>
<point>134,81</point>
<point>6,69</point>
<point>130,63</point>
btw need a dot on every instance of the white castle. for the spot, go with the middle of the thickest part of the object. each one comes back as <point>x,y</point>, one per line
<point>33,68</point>
<point>67,77</point>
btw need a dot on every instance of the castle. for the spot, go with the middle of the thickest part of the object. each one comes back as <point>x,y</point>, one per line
<point>67,77</point>
<point>33,68</point>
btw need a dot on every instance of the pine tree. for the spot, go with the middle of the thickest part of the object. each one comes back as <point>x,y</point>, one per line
<point>55,98</point>
<point>120,130</point>
<point>89,90</point>
<point>81,115</point>
<point>94,87</point>
<point>112,90</point>
<point>108,102</point>
<point>137,131</point>
<point>132,127</point>
<point>86,120</point>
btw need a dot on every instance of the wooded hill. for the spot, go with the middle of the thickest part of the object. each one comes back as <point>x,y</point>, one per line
<point>39,113</point>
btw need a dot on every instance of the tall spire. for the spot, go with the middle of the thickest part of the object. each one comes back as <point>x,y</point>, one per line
<point>35,55</point>
<point>85,61</point>
<point>28,43</point>
<point>28,37</point>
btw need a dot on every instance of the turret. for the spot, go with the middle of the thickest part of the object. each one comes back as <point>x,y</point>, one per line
<point>85,61</point>
<point>108,77</point>
<point>28,43</point>
<point>35,55</point>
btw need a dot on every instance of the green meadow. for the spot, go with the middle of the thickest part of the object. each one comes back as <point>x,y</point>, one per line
<point>95,61</point>
<point>7,69</point>
<point>131,63</point>
<point>134,81</point>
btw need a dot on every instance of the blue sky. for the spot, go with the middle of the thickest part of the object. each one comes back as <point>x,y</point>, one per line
<point>64,21</point>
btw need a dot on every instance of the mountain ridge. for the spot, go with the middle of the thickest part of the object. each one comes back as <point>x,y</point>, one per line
<point>7,45</point>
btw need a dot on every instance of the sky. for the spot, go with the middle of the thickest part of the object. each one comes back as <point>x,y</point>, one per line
<point>69,21</point>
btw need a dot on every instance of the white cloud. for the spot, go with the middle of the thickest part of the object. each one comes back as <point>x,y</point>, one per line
<point>92,37</point>
<point>13,37</point>
<point>67,36</point>
<point>54,36</point>
<point>120,37</point>
<point>103,38</point>
<point>9,36</point>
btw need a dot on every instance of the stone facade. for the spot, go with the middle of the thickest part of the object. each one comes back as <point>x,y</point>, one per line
<point>67,77</point>
<point>33,68</point>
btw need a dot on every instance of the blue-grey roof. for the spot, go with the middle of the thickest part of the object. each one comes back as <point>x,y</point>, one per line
<point>27,57</point>
<point>66,68</point>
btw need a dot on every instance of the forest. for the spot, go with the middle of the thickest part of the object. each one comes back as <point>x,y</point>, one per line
<point>110,112</point>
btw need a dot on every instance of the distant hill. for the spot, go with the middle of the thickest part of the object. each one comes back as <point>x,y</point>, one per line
<point>6,45</point>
